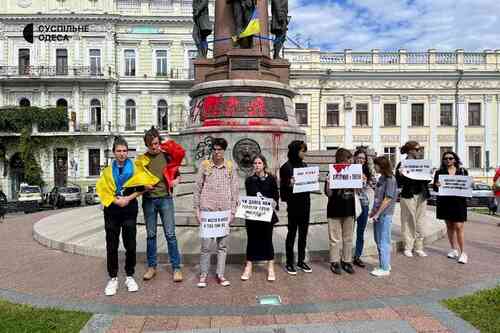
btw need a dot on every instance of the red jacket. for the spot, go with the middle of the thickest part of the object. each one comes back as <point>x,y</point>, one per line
<point>497,175</point>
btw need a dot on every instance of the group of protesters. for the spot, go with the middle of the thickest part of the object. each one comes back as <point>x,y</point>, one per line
<point>154,174</point>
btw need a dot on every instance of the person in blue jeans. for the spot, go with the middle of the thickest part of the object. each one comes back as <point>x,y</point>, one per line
<point>156,202</point>
<point>382,212</point>
<point>360,157</point>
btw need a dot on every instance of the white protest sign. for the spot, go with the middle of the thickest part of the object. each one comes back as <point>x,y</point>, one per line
<point>255,208</point>
<point>306,179</point>
<point>346,176</point>
<point>417,169</point>
<point>459,186</point>
<point>214,224</point>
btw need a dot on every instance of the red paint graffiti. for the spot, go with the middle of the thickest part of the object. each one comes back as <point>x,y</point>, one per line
<point>212,106</point>
<point>257,107</point>
<point>231,106</point>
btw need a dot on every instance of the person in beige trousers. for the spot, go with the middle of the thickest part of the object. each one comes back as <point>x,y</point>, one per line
<point>413,202</point>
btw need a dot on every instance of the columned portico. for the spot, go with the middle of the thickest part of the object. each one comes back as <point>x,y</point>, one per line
<point>460,150</point>
<point>348,122</point>
<point>434,121</point>
<point>404,115</point>
<point>376,116</point>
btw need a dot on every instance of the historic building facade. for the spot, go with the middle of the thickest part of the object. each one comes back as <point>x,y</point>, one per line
<point>125,65</point>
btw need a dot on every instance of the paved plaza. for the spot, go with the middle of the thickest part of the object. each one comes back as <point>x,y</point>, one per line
<point>407,301</point>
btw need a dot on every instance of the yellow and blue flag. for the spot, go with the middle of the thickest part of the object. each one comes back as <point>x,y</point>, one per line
<point>253,26</point>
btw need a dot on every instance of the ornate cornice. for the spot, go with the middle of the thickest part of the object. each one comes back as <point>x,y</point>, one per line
<point>399,84</point>
<point>115,18</point>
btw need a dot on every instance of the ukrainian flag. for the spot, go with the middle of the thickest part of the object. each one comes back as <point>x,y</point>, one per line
<point>253,26</point>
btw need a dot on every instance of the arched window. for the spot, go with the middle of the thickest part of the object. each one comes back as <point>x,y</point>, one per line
<point>162,115</point>
<point>95,114</point>
<point>130,115</point>
<point>62,103</point>
<point>24,102</point>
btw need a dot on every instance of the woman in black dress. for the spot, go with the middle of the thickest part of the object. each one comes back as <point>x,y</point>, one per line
<point>452,209</point>
<point>259,233</point>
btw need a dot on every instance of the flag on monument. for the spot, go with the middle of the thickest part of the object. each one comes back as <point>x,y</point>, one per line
<point>253,26</point>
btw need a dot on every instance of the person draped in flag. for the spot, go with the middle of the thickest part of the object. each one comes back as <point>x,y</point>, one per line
<point>118,188</point>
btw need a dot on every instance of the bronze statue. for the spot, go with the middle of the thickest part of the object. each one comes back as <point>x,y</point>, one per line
<point>242,13</point>
<point>202,27</point>
<point>279,24</point>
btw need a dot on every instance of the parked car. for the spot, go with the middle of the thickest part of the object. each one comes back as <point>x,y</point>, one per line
<point>91,197</point>
<point>62,196</point>
<point>30,193</point>
<point>481,194</point>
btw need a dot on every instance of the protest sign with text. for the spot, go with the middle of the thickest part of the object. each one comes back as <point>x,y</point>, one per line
<point>214,224</point>
<point>306,179</point>
<point>255,208</point>
<point>346,176</point>
<point>417,169</point>
<point>458,186</point>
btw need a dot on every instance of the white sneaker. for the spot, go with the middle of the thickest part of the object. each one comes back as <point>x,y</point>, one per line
<point>421,253</point>
<point>379,272</point>
<point>463,258</point>
<point>408,253</point>
<point>453,254</point>
<point>131,284</point>
<point>111,287</point>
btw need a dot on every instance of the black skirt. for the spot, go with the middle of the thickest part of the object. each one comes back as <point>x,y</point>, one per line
<point>451,208</point>
<point>259,241</point>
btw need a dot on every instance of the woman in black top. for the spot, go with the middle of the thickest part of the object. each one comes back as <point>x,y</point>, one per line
<point>259,233</point>
<point>452,209</point>
<point>413,203</point>
<point>298,207</point>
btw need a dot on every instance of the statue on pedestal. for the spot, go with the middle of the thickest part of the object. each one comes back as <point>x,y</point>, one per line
<point>201,27</point>
<point>279,24</point>
<point>242,13</point>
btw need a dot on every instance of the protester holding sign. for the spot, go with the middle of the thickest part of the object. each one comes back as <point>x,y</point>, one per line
<point>341,213</point>
<point>452,209</point>
<point>382,212</point>
<point>216,190</point>
<point>260,233</point>
<point>298,207</point>
<point>413,201</point>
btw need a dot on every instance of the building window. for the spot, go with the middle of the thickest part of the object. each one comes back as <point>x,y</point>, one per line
<point>95,61</point>
<point>61,62</point>
<point>301,113</point>
<point>130,115</point>
<point>332,115</point>
<point>421,153</point>
<point>192,55</point>
<point>446,114</point>
<point>390,153</point>
<point>389,114</point>
<point>417,115</point>
<point>24,61</point>
<point>129,62</point>
<point>474,114</point>
<point>94,162</point>
<point>361,114</point>
<point>95,114</point>
<point>474,157</point>
<point>162,115</point>
<point>62,103</point>
<point>161,4</point>
<point>24,102</point>
<point>128,4</point>
<point>332,148</point>
<point>161,62</point>
<point>444,149</point>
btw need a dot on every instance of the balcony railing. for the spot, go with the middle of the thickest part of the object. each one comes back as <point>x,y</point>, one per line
<point>52,71</point>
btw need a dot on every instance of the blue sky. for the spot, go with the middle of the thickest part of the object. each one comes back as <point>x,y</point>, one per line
<point>418,25</point>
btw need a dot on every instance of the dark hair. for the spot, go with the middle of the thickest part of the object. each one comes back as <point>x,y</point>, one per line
<point>342,155</point>
<point>458,162</point>
<point>409,146</point>
<point>119,141</point>
<point>263,159</point>
<point>366,169</point>
<point>150,135</point>
<point>385,165</point>
<point>293,150</point>
<point>221,142</point>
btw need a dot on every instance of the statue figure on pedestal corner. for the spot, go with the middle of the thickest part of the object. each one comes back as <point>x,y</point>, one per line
<point>279,24</point>
<point>242,13</point>
<point>202,27</point>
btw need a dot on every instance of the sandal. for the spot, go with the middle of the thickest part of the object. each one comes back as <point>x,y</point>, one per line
<point>246,273</point>
<point>271,276</point>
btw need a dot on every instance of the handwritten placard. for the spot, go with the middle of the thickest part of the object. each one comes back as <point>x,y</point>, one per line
<point>306,179</point>
<point>458,186</point>
<point>346,176</point>
<point>255,208</point>
<point>417,169</point>
<point>214,224</point>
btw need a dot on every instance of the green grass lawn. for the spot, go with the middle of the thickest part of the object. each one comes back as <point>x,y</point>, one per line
<point>24,318</point>
<point>481,309</point>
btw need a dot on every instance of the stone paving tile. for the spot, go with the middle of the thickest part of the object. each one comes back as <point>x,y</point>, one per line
<point>410,311</point>
<point>322,317</point>
<point>260,320</point>
<point>161,323</point>
<point>193,322</point>
<point>128,324</point>
<point>353,315</point>
<point>383,314</point>
<point>291,319</point>
<point>226,321</point>
<point>426,324</point>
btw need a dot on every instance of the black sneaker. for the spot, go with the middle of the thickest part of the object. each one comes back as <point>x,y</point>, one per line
<point>357,261</point>
<point>290,269</point>
<point>346,266</point>
<point>305,267</point>
<point>335,268</point>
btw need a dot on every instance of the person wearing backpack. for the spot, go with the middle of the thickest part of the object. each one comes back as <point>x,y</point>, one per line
<point>216,189</point>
